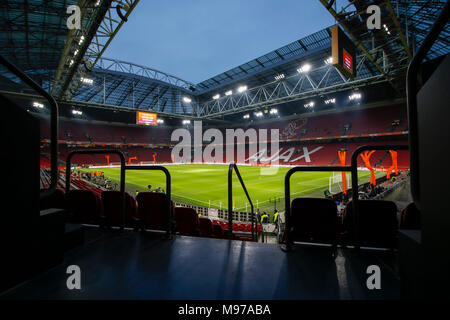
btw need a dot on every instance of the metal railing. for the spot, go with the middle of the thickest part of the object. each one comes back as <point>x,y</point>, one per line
<point>234,167</point>
<point>168,191</point>
<point>355,205</point>
<point>123,169</point>
<point>122,173</point>
<point>53,124</point>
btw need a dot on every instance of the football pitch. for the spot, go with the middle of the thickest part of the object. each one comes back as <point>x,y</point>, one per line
<point>206,185</point>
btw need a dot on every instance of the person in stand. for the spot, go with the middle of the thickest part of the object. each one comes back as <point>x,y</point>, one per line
<point>149,188</point>
<point>258,215</point>
<point>265,218</point>
<point>275,216</point>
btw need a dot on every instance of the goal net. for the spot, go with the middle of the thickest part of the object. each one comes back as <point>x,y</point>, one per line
<point>335,182</point>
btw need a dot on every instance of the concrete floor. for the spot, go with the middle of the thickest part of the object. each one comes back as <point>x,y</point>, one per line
<point>135,265</point>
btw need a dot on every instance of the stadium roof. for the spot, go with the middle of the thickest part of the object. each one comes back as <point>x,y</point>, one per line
<point>33,34</point>
<point>36,39</point>
<point>119,83</point>
<point>270,60</point>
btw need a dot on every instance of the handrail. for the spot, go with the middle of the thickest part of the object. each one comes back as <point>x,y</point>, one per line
<point>411,95</point>
<point>287,195</point>
<point>53,124</point>
<point>122,173</point>
<point>230,199</point>
<point>168,189</point>
<point>354,169</point>
<point>123,169</point>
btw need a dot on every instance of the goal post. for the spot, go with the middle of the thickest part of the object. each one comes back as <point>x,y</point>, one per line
<point>335,182</point>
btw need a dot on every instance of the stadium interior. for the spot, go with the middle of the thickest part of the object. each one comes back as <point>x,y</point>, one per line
<point>95,176</point>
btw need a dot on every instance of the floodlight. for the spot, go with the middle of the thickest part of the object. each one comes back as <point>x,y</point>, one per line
<point>304,69</point>
<point>242,89</point>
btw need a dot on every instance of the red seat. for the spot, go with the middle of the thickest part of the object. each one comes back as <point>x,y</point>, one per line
<point>84,206</point>
<point>112,209</point>
<point>206,227</point>
<point>314,220</point>
<point>55,200</point>
<point>154,210</point>
<point>410,217</point>
<point>377,223</point>
<point>187,221</point>
<point>218,232</point>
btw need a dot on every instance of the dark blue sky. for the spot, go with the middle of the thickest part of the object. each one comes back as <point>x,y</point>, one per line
<point>198,39</point>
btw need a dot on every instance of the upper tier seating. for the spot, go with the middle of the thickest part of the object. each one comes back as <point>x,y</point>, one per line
<point>112,208</point>
<point>314,220</point>
<point>377,223</point>
<point>365,121</point>
<point>84,206</point>
<point>153,210</point>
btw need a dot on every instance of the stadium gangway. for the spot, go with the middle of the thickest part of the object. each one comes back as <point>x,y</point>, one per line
<point>234,167</point>
<point>53,125</point>
<point>123,169</point>
<point>353,168</point>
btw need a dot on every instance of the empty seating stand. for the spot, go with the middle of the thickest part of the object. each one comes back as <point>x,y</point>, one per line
<point>112,208</point>
<point>186,220</point>
<point>84,207</point>
<point>314,220</point>
<point>153,210</point>
<point>377,223</point>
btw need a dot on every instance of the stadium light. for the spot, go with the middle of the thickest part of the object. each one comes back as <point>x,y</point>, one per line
<point>38,105</point>
<point>187,99</point>
<point>229,93</point>
<point>87,81</point>
<point>273,111</point>
<point>246,116</point>
<point>279,77</point>
<point>304,69</point>
<point>71,63</point>
<point>386,29</point>
<point>309,104</point>
<point>217,96</point>
<point>77,112</point>
<point>355,96</point>
<point>329,60</point>
<point>160,121</point>
<point>259,114</point>
<point>76,52</point>
<point>242,89</point>
<point>186,121</point>
<point>81,40</point>
<point>332,100</point>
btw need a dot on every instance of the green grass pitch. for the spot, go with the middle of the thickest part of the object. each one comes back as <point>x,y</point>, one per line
<point>206,185</point>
